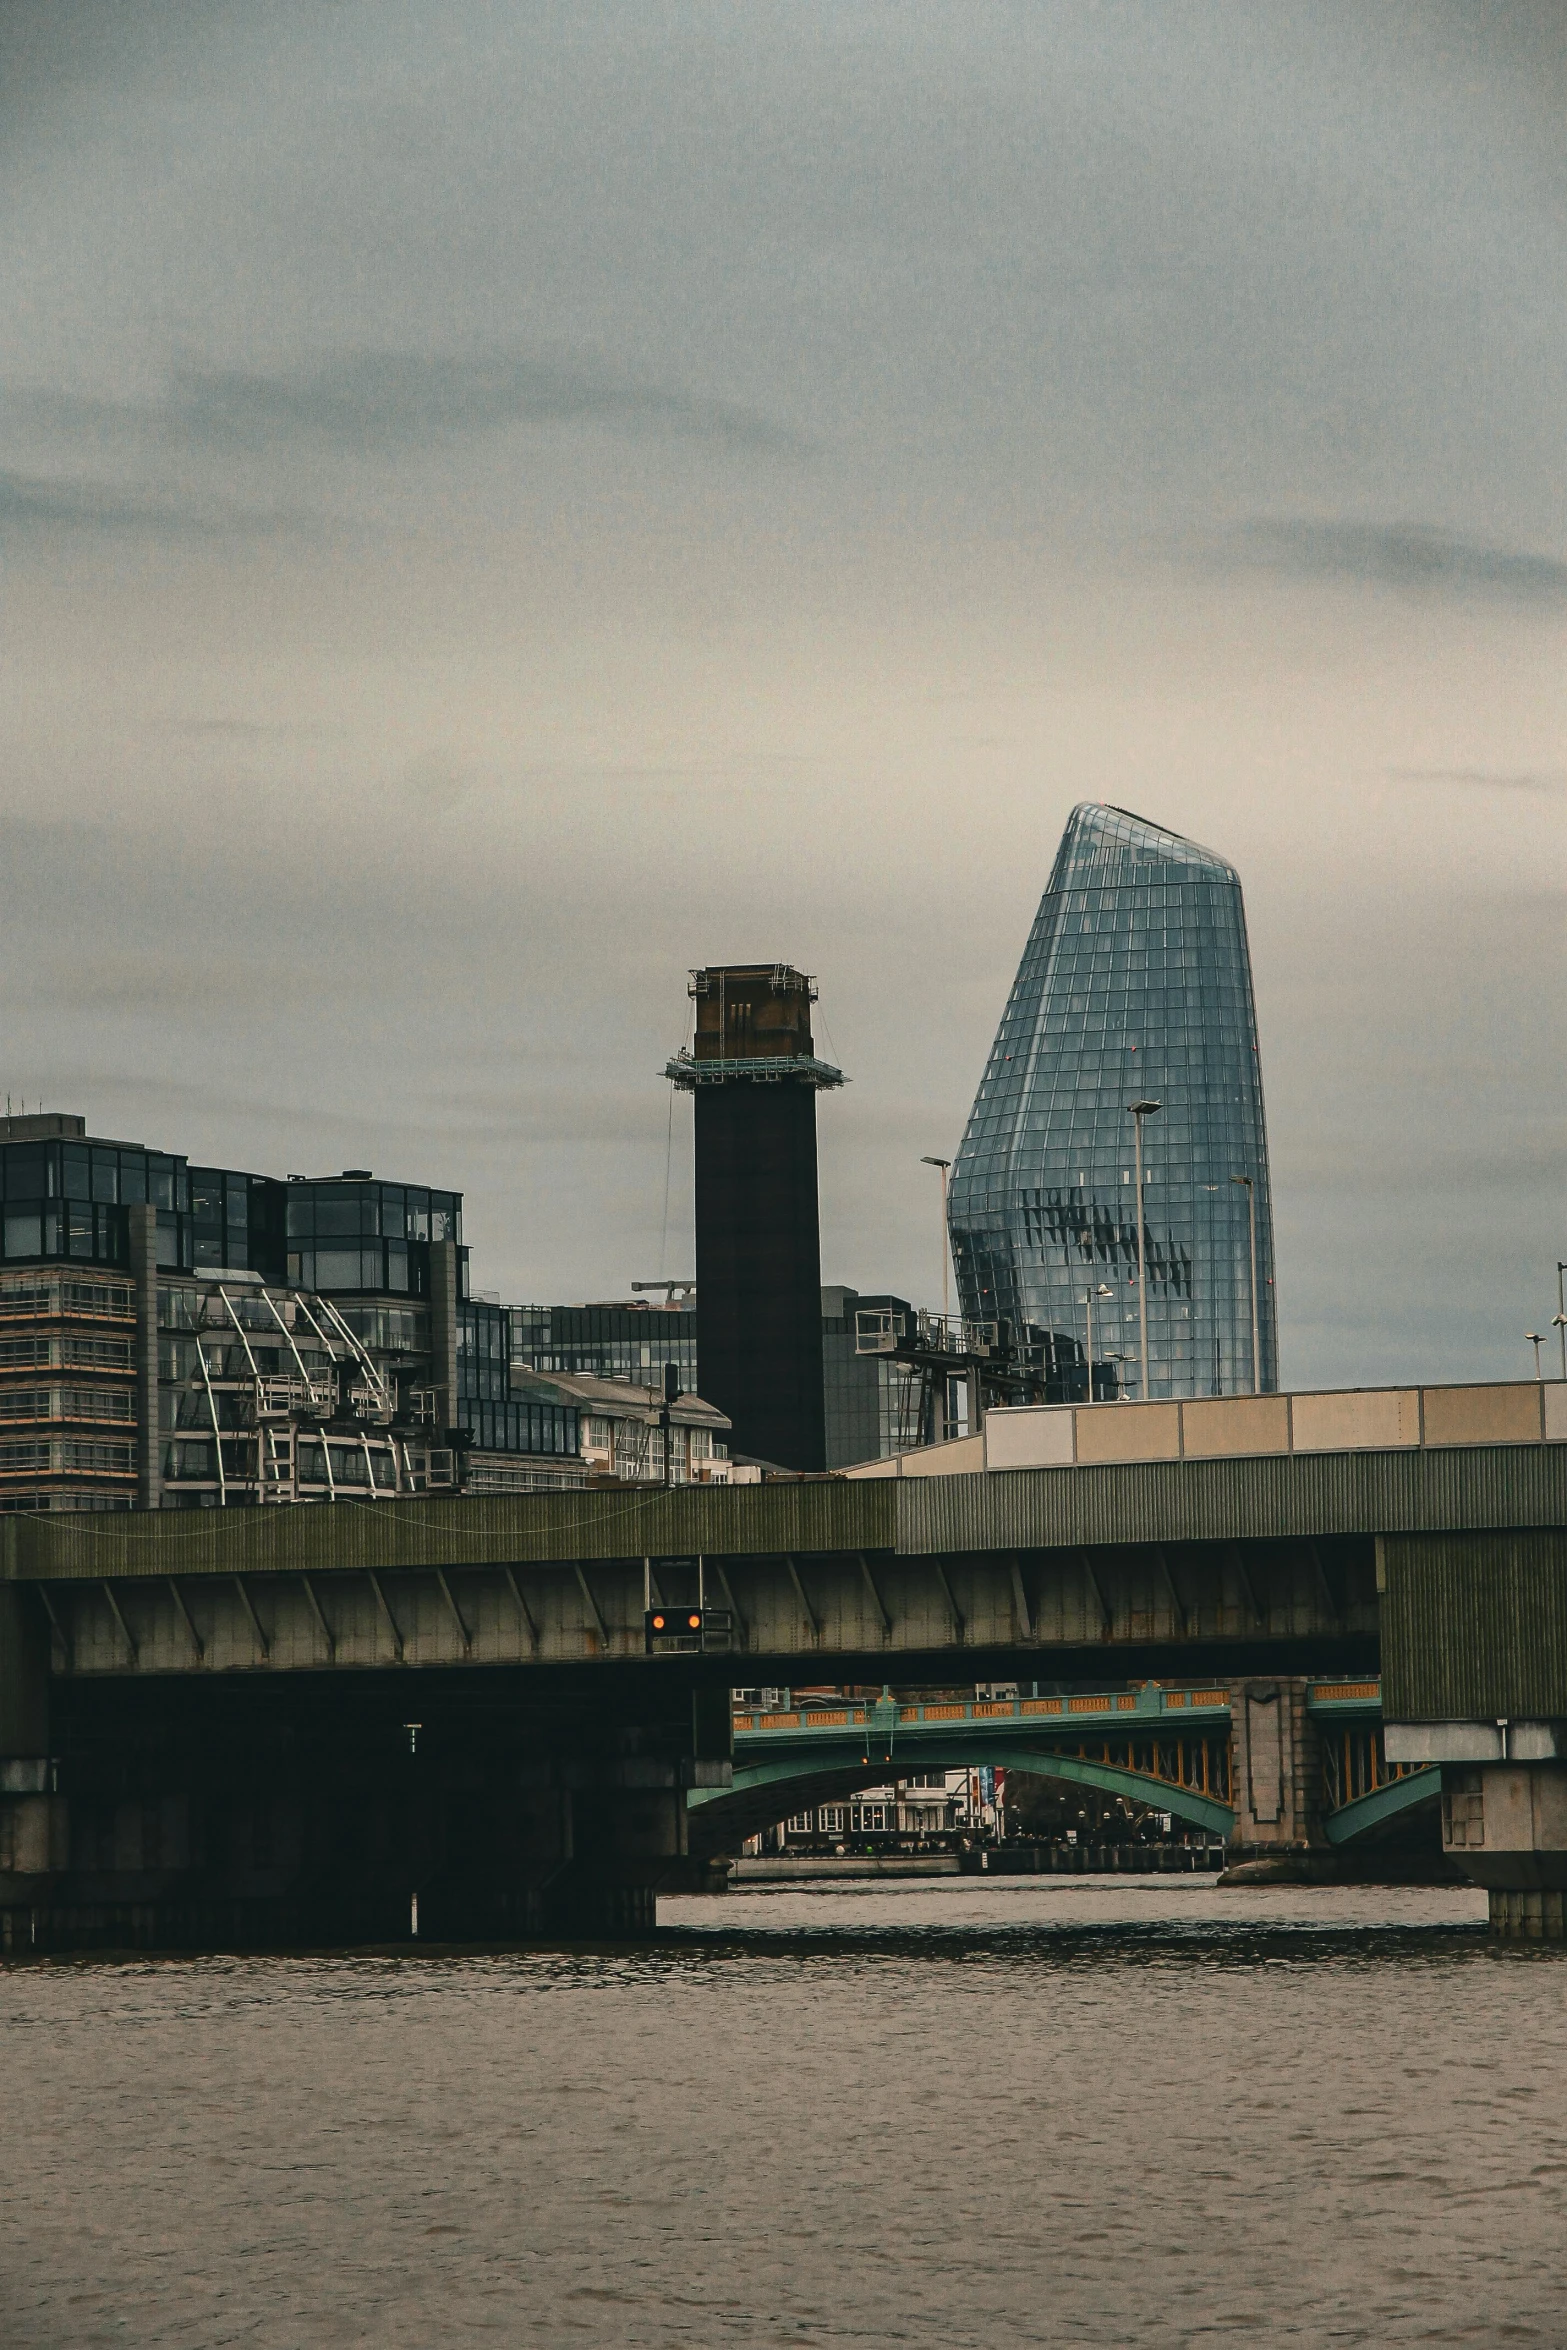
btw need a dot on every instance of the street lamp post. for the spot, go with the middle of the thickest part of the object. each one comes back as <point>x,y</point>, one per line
<point>1536,1342</point>
<point>944,1165</point>
<point>1561,1311</point>
<point>1251,1219</point>
<point>1140,1111</point>
<point>1103,1290</point>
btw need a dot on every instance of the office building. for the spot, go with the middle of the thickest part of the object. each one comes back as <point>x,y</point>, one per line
<point>1135,986</point>
<point>614,1341</point>
<point>753,1070</point>
<point>874,1405</point>
<point>637,1434</point>
<point>180,1336</point>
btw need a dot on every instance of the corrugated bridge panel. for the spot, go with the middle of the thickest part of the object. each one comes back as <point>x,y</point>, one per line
<point>1475,1627</point>
<point>1254,1499</point>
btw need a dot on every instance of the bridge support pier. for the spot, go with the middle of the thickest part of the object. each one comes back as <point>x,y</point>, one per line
<point>1505,1824</point>
<point>33,1819</point>
<point>1504,1814</point>
<point>1275,1771</point>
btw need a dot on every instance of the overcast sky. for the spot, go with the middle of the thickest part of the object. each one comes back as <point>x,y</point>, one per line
<point>500,503</point>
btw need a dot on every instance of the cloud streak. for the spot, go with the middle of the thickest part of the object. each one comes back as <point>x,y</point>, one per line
<point>387,402</point>
<point>55,504</point>
<point>1413,558</point>
<point>1478,779</point>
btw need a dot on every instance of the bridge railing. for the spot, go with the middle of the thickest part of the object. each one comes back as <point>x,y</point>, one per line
<point>1063,1711</point>
<point>1152,1702</point>
<point>1204,1428</point>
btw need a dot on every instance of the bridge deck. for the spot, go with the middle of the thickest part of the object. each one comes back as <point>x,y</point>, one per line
<point>1258,1563</point>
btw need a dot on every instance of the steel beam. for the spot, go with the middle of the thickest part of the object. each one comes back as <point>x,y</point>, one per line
<point>387,1616</point>
<point>57,1627</point>
<point>590,1603</point>
<point>196,1641</point>
<point>1238,1560</point>
<point>879,1603</point>
<point>246,1602</point>
<point>528,1624</point>
<point>1020,1598</point>
<point>1176,1600</point>
<point>727,1588</point>
<point>319,1613</point>
<point>455,1611</point>
<point>811,1617</point>
<point>125,1631</point>
<point>1106,1619</point>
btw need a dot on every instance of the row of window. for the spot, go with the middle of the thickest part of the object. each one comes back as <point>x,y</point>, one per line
<point>67,1403</point>
<point>77,1455</point>
<point>484,1352</point>
<point>372,1211</point>
<point>74,1170</point>
<point>70,1352</point>
<point>334,1464</point>
<point>181,1359</point>
<point>401,1266</point>
<point>524,1427</point>
<point>51,1297</point>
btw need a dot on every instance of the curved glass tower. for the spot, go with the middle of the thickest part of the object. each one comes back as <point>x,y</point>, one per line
<point>1135,986</point>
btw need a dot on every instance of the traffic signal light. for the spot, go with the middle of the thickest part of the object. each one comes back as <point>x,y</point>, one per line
<point>674,1620</point>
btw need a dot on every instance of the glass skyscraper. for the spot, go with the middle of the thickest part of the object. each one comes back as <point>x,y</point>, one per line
<point>1135,986</point>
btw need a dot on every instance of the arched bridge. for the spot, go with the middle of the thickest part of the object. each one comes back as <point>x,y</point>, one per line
<point>1172,1749</point>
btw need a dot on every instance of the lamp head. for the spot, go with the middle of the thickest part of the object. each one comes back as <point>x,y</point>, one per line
<point>1144,1109</point>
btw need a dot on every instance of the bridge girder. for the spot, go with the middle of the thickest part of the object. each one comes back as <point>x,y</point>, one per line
<point>722,1818</point>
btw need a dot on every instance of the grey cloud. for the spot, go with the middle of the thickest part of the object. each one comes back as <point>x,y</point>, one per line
<point>1478,779</point>
<point>255,729</point>
<point>61,504</point>
<point>393,400</point>
<point>1414,557</point>
<point>168,987</point>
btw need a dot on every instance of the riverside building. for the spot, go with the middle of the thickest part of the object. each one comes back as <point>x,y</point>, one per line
<point>1134,987</point>
<point>180,1336</point>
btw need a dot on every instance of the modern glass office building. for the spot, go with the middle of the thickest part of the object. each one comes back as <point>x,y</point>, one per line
<point>1135,986</point>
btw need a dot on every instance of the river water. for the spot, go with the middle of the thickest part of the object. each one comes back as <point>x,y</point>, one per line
<point>1066,2111</point>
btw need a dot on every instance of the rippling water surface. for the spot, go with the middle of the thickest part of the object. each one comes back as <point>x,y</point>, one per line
<point>1045,2110</point>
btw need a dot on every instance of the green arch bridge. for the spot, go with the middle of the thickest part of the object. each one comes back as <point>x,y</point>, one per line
<point>1169,1748</point>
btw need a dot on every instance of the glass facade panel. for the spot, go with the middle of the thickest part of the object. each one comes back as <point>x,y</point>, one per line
<point>610,1341</point>
<point>1135,985</point>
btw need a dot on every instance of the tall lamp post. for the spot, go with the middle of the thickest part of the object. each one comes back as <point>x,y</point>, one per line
<point>1140,1111</point>
<point>1536,1342</point>
<point>1103,1290</point>
<point>944,1165</point>
<point>1251,1219</point>
<point>1561,1311</point>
